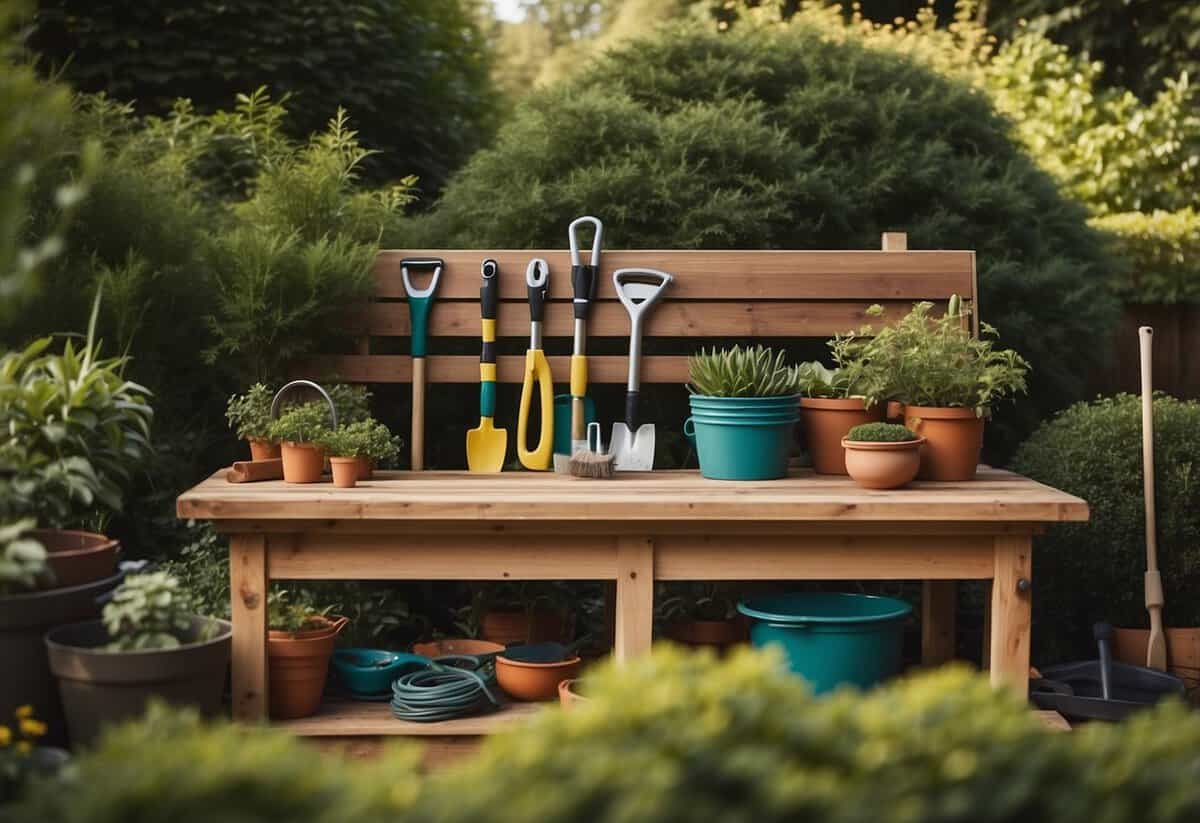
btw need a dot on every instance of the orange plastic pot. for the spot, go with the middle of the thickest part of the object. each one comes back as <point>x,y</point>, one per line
<point>263,449</point>
<point>77,558</point>
<point>534,682</point>
<point>883,465</point>
<point>709,633</point>
<point>505,626</point>
<point>953,441</point>
<point>298,663</point>
<point>366,468</point>
<point>826,421</point>
<point>569,693</point>
<point>345,471</point>
<point>302,462</point>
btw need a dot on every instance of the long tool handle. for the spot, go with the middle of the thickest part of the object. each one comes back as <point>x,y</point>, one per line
<point>489,297</point>
<point>1156,651</point>
<point>418,414</point>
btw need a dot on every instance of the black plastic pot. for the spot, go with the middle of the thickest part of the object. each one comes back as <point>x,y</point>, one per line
<point>100,688</point>
<point>24,621</point>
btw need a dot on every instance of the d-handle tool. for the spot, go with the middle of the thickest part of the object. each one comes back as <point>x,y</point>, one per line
<point>583,285</point>
<point>486,444</point>
<point>419,302</point>
<point>632,445</point>
<point>537,369</point>
<point>1156,649</point>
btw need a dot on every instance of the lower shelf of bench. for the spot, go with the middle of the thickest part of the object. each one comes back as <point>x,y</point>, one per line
<point>353,718</point>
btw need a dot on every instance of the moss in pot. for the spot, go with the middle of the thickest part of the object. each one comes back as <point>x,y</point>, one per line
<point>249,415</point>
<point>882,455</point>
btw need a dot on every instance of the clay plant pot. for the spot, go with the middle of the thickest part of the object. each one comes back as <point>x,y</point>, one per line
<point>1183,653</point>
<point>263,449</point>
<point>457,646</point>
<point>508,626</point>
<point>101,688</point>
<point>883,465</point>
<point>302,463</point>
<point>366,468</point>
<point>569,695</point>
<point>77,558</point>
<point>534,682</point>
<point>717,634</point>
<point>953,440</point>
<point>298,663</point>
<point>345,471</point>
<point>826,421</point>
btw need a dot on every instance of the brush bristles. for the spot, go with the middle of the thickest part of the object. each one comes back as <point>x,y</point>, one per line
<point>592,465</point>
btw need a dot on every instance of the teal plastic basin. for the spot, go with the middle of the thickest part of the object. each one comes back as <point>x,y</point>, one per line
<point>742,438</point>
<point>831,639</point>
<point>700,401</point>
<point>368,672</point>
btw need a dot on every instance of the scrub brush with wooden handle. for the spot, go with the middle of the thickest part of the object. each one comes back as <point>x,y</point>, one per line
<point>592,462</point>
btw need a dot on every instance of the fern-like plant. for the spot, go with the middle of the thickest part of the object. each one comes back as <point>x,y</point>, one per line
<point>754,371</point>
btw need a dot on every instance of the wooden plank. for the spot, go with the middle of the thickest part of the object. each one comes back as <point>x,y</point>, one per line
<point>354,368</point>
<point>894,241</point>
<point>939,604</point>
<point>634,628</point>
<point>671,318</point>
<point>844,557</point>
<point>248,594</point>
<point>353,718</point>
<point>1011,621</point>
<point>405,556</point>
<point>1053,721</point>
<point>712,275</point>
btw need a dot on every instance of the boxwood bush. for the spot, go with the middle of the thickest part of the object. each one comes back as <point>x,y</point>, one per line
<point>1085,572</point>
<point>784,139</point>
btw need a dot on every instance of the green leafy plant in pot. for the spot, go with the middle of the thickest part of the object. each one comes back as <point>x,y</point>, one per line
<point>298,430</point>
<point>744,405</point>
<point>300,644</point>
<point>148,645</point>
<point>882,455</point>
<point>355,449</point>
<point>249,415</point>
<point>700,614</point>
<point>833,401</point>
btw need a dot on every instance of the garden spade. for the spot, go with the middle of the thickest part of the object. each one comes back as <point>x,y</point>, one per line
<point>631,444</point>
<point>419,302</point>
<point>1156,651</point>
<point>486,444</point>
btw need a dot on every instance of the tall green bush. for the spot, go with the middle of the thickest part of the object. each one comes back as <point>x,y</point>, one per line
<point>786,139</point>
<point>1163,250</point>
<point>1085,572</point>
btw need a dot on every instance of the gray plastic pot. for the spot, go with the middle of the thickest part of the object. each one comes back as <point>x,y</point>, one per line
<point>101,688</point>
<point>24,621</point>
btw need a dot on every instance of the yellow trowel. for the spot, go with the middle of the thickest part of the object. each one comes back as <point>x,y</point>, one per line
<point>486,444</point>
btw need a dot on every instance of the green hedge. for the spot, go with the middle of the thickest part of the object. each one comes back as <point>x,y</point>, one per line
<point>1085,572</point>
<point>1163,249</point>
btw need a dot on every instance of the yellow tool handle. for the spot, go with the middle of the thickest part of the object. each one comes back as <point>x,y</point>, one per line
<point>579,380</point>
<point>537,369</point>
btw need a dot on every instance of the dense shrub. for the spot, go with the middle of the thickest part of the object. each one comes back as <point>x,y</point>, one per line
<point>783,139</point>
<point>1092,571</point>
<point>1163,249</point>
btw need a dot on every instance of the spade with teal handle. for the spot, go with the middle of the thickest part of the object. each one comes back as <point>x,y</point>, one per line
<point>419,303</point>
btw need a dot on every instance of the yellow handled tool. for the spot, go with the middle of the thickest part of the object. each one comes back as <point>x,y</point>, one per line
<point>537,369</point>
<point>486,444</point>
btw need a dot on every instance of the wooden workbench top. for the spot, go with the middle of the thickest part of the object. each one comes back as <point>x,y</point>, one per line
<point>995,496</point>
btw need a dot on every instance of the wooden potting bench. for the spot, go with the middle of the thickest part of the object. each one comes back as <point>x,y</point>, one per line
<point>639,527</point>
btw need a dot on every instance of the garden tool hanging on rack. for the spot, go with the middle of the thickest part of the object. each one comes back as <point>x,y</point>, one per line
<point>537,370</point>
<point>631,445</point>
<point>583,285</point>
<point>486,444</point>
<point>419,303</point>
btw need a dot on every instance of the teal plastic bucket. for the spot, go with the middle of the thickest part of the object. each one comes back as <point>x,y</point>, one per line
<point>742,438</point>
<point>832,639</point>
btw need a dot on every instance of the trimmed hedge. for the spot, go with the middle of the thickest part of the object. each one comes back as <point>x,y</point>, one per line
<point>1163,249</point>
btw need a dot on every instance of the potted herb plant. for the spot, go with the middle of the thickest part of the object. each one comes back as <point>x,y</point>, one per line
<point>299,646</point>
<point>744,405</point>
<point>355,449</point>
<point>382,448</point>
<point>249,415</point>
<point>945,380</point>
<point>882,455</point>
<point>148,645</point>
<point>520,612</point>
<point>832,402</point>
<point>297,430</point>
<point>701,614</point>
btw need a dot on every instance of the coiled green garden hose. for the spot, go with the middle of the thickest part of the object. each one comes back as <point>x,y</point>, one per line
<point>444,691</point>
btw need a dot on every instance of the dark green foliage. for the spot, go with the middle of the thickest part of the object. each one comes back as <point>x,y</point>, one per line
<point>415,72</point>
<point>1092,571</point>
<point>779,139</point>
<point>880,433</point>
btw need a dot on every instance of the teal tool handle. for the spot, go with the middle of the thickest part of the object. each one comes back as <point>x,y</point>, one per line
<point>487,399</point>
<point>418,312</point>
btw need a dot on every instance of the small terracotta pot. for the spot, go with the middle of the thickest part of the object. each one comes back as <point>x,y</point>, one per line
<point>263,449</point>
<point>953,440</point>
<point>1183,653</point>
<point>366,468</point>
<point>883,465</point>
<point>456,645</point>
<point>507,626</point>
<point>345,471</point>
<point>302,463</point>
<point>710,633</point>
<point>826,421</point>
<point>298,665</point>
<point>77,557</point>
<point>568,694</point>
<point>534,682</point>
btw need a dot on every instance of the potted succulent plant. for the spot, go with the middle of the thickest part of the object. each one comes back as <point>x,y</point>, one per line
<point>297,430</point>
<point>882,455</point>
<point>744,405</point>
<point>299,646</point>
<point>148,645</point>
<point>833,401</point>
<point>701,614</point>
<point>249,415</point>
<point>945,380</point>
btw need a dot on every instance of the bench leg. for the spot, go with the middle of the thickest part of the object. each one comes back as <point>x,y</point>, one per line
<point>1011,617</point>
<point>635,597</point>
<point>939,603</point>
<point>248,589</point>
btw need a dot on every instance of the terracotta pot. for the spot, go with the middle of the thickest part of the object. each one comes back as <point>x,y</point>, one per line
<point>953,440</point>
<point>534,681</point>
<point>883,465</point>
<point>507,626</point>
<point>366,468</point>
<point>1183,653</point>
<point>568,693</point>
<point>826,422</point>
<point>298,665</point>
<point>456,645</point>
<point>345,471</point>
<point>302,463</point>
<point>263,449</point>
<point>77,558</point>
<point>710,633</point>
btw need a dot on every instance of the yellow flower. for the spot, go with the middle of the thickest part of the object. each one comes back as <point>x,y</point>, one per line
<point>23,712</point>
<point>5,735</point>
<point>32,728</point>
<point>24,746</point>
